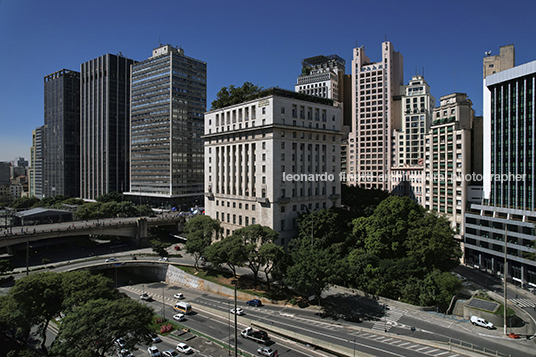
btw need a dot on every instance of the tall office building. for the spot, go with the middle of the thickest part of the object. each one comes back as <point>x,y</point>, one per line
<point>61,140</point>
<point>104,126</point>
<point>417,106</point>
<point>376,113</point>
<point>507,216</point>
<point>36,164</point>
<point>269,158</point>
<point>168,103</point>
<point>447,162</point>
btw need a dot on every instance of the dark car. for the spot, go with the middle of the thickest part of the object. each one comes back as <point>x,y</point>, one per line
<point>254,302</point>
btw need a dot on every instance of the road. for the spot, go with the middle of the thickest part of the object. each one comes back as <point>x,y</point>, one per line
<point>212,318</point>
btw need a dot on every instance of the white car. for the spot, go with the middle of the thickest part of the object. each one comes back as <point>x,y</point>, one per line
<point>120,342</point>
<point>163,259</point>
<point>171,353</point>
<point>266,351</point>
<point>239,311</point>
<point>178,296</point>
<point>478,321</point>
<point>154,352</point>
<point>109,260</point>
<point>184,348</point>
<point>179,317</point>
<point>124,353</point>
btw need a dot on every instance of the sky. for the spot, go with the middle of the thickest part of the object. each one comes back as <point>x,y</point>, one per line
<point>262,42</point>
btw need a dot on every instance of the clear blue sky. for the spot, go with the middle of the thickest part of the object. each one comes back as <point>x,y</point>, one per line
<point>262,42</point>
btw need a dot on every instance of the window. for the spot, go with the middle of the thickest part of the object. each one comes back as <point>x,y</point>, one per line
<point>282,110</point>
<point>264,110</point>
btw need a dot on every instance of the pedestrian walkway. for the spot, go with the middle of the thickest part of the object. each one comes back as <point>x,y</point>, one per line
<point>523,302</point>
<point>392,315</point>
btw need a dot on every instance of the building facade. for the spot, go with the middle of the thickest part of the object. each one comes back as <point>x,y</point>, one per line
<point>271,158</point>
<point>322,76</point>
<point>166,125</point>
<point>447,163</point>
<point>61,140</point>
<point>504,222</point>
<point>375,115</point>
<point>104,125</point>
<point>36,167</point>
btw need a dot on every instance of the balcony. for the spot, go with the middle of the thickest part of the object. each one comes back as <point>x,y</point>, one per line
<point>263,200</point>
<point>334,196</point>
<point>209,195</point>
<point>283,200</point>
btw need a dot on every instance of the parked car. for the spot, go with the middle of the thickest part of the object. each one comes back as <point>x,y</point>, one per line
<point>155,337</point>
<point>120,342</point>
<point>178,296</point>
<point>254,302</point>
<point>154,352</point>
<point>171,353</point>
<point>184,348</point>
<point>239,311</point>
<point>478,321</point>
<point>109,260</point>
<point>179,317</point>
<point>124,353</point>
<point>266,351</point>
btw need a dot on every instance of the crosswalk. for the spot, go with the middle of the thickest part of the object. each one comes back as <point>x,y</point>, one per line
<point>431,351</point>
<point>523,302</point>
<point>389,320</point>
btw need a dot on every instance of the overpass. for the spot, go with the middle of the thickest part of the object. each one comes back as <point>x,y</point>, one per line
<point>135,228</point>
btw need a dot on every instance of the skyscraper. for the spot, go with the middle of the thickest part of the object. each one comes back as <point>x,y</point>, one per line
<point>507,216</point>
<point>36,166</point>
<point>104,129</point>
<point>167,118</point>
<point>374,116</point>
<point>322,76</point>
<point>61,140</point>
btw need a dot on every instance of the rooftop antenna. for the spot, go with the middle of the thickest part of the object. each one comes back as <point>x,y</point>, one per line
<point>159,43</point>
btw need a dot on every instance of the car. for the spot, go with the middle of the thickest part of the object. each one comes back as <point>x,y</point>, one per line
<point>171,353</point>
<point>124,353</point>
<point>121,343</point>
<point>177,247</point>
<point>178,296</point>
<point>239,311</point>
<point>478,321</point>
<point>163,259</point>
<point>184,348</point>
<point>254,302</point>
<point>179,317</point>
<point>266,351</point>
<point>155,337</point>
<point>109,260</point>
<point>154,352</point>
<point>146,297</point>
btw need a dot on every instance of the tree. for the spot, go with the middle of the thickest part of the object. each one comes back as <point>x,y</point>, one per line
<point>360,201</point>
<point>92,328</point>
<point>160,247</point>
<point>233,95</point>
<point>80,286</point>
<point>273,257</point>
<point>253,237</point>
<point>25,202</point>
<point>110,197</point>
<point>401,251</point>
<point>200,230</point>
<point>227,251</point>
<point>37,299</point>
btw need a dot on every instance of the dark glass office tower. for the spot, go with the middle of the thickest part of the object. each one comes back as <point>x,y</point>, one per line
<point>104,129</point>
<point>167,122</point>
<point>61,134</point>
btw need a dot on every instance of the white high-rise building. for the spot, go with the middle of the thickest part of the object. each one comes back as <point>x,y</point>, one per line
<point>375,114</point>
<point>270,158</point>
<point>322,76</point>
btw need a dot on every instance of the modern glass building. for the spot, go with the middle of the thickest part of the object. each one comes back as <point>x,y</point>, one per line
<point>61,139</point>
<point>166,124</point>
<point>507,217</point>
<point>104,128</point>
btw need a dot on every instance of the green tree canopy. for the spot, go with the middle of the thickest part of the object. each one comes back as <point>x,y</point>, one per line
<point>200,231</point>
<point>253,237</point>
<point>233,95</point>
<point>227,251</point>
<point>91,329</point>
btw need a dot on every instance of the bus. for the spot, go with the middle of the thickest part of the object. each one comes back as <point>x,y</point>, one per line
<point>183,307</point>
